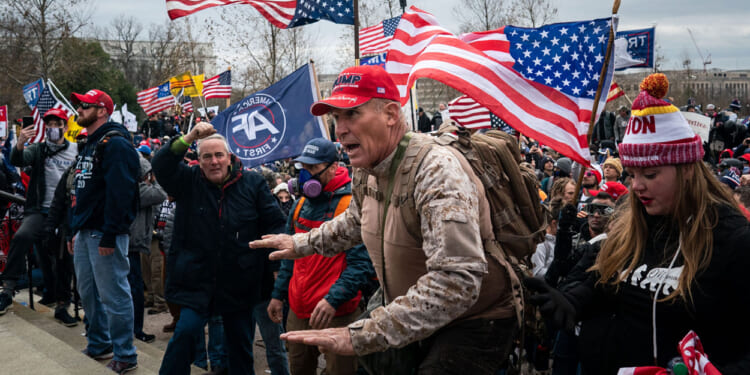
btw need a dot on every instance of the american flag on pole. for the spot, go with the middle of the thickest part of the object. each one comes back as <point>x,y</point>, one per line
<point>615,91</point>
<point>219,86</point>
<point>541,81</point>
<point>47,101</point>
<point>156,99</point>
<point>281,13</point>
<point>376,39</point>
<point>187,104</point>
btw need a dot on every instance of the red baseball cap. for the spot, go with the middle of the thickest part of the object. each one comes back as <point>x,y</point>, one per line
<point>95,97</point>
<point>355,86</point>
<point>55,112</point>
<point>615,189</point>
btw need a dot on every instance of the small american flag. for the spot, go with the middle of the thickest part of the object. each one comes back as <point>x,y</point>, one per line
<point>47,101</point>
<point>615,91</point>
<point>466,112</point>
<point>156,99</point>
<point>377,39</point>
<point>219,86</point>
<point>187,104</point>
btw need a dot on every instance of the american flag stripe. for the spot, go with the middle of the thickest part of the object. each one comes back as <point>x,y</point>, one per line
<point>466,112</point>
<point>47,101</point>
<point>278,12</point>
<point>481,66</point>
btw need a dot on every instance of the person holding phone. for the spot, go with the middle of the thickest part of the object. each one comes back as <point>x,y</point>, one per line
<point>48,161</point>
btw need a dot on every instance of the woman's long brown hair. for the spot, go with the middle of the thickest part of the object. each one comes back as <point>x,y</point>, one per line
<point>696,214</point>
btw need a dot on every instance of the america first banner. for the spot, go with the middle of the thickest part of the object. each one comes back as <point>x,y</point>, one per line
<point>274,123</point>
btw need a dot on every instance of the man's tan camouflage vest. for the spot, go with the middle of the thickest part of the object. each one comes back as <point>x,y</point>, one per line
<point>501,292</point>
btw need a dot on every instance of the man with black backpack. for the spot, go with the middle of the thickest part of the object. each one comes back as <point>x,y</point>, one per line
<point>103,205</point>
<point>422,213</point>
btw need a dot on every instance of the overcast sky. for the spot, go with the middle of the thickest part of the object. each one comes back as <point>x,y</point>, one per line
<point>721,27</point>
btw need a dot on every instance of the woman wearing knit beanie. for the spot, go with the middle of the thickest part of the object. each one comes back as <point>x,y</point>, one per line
<point>675,260</point>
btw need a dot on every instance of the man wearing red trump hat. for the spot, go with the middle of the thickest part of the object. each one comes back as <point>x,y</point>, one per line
<point>444,301</point>
<point>103,205</point>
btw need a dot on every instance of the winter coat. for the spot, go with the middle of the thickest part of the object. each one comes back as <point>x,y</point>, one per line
<point>106,191</point>
<point>34,156</point>
<point>619,334</point>
<point>338,279</point>
<point>209,267</point>
<point>142,229</point>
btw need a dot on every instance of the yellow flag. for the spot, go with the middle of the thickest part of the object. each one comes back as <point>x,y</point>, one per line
<point>197,89</point>
<point>181,81</point>
<point>73,129</point>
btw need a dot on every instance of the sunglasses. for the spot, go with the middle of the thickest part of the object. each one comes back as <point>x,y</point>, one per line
<point>86,106</point>
<point>601,209</point>
<point>588,174</point>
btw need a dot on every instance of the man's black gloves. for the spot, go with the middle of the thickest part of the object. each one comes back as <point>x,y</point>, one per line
<point>552,303</point>
<point>567,218</point>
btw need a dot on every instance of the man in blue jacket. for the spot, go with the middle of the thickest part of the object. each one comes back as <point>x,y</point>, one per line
<point>322,292</point>
<point>210,270</point>
<point>104,204</point>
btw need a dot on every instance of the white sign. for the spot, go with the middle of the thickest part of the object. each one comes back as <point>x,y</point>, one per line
<point>128,119</point>
<point>700,124</point>
<point>215,109</point>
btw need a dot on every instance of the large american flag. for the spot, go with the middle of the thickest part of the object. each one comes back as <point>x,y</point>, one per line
<point>47,101</point>
<point>376,39</point>
<point>156,99</point>
<point>219,86</point>
<point>281,13</point>
<point>541,81</point>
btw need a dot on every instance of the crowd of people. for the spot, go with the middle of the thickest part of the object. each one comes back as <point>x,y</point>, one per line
<point>389,267</point>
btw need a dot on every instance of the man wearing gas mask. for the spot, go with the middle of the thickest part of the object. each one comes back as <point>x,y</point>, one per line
<point>47,160</point>
<point>322,292</point>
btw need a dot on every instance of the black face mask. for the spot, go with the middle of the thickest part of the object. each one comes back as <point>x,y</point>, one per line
<point>286,206</point>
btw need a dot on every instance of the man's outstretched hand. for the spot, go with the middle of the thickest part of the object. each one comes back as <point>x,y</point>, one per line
<point>282,242</point>
<point>331,340</point>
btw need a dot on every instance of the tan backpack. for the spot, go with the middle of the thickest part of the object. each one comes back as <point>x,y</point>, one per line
<point>518,220</point>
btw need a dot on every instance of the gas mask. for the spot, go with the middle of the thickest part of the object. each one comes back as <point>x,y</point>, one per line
<point>308,184</point>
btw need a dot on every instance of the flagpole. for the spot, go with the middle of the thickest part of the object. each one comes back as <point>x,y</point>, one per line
<point>65,100</point>
<point>602,78</point>
<point>227,106</point>
<point>317,91</point>
<point>356,32</point>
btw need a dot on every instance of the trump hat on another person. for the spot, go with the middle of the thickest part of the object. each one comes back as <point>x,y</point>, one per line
<point>355,86</point>
<point>96,97</point>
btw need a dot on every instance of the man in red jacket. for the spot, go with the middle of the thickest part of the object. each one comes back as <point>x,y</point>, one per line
<point>322,292</point>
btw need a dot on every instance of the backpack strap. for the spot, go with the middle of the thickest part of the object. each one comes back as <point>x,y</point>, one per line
<point>343,205</point>
<point>297,209</point>
<point>397,158</point>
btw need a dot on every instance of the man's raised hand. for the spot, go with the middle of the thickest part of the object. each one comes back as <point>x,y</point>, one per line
<point>283,242</point>
<point>200,130</point>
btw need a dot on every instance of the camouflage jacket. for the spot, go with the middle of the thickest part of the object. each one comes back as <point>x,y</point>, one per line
<point>454,263</point>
